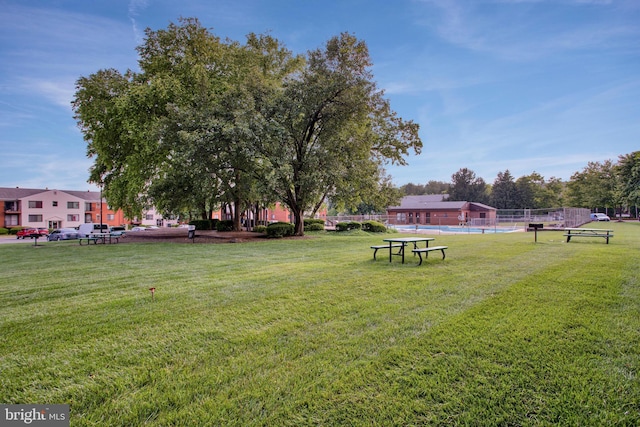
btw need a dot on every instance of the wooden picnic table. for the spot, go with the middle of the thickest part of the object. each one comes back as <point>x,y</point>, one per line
<point>588,232</point>
<point>403,242</point>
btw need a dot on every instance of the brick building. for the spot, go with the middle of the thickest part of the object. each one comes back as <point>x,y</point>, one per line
<point>436,210</point>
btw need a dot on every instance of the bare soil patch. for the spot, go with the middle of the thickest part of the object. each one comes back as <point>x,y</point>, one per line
<point>179,235</point>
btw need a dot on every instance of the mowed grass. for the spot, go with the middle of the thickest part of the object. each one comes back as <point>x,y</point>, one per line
<point>312,331</point>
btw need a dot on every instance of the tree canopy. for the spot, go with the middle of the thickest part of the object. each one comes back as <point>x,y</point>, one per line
<point>207,122</point>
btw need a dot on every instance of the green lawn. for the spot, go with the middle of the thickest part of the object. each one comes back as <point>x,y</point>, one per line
<point>314,332</point>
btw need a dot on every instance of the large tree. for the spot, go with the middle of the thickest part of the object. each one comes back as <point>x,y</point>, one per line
<point>466,186</point>
<point>628,171</point>
<point>208,122</point>
<point>594,187</point>
<point>333,131</point>
<point>504,193</point>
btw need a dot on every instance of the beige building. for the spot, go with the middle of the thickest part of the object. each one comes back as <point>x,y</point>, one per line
<point>25,207</point>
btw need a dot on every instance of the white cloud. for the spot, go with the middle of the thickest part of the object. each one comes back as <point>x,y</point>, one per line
<point>135,8</point>
<point>521,36</point>
<point>60,92</point>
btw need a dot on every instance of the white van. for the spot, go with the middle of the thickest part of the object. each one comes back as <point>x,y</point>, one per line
<point>86,229</point>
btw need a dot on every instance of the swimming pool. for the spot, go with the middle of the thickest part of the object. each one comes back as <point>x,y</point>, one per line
<point>453,229</point>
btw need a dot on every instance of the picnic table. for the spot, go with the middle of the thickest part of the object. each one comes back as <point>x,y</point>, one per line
<point>101,237</point>
<point>401,243</point>
<point>588,232</point>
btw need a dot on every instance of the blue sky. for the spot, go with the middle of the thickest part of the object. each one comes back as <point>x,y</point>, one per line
<point>524,85</point>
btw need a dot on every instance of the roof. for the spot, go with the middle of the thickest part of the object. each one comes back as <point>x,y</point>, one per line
<point>483,206</point>
<point>8,193</point>
<point>17,193</point>
<point>431,202</point>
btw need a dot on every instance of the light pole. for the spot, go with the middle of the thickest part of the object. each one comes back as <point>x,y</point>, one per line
<point>101,207</point>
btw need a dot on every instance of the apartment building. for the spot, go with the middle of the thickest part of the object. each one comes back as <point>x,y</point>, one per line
<point>28,207</point>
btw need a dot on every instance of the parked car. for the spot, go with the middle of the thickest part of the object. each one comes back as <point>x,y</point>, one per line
<point>599,217</point>
<point>118,231</point>
<point>30,232</point>
<point>86,229</point>
<point>63,234</point>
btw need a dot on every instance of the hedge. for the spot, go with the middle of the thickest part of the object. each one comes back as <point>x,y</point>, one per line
<point>374,227</point>
<point>346,226</point>
<point>280,229</point>
<point>13,231</point>
<point>313,224</point>
<point>224,225</point>
<point>260,229</point>
<point>3,231</point>
<point>202,224</point>
<point>314,227</point>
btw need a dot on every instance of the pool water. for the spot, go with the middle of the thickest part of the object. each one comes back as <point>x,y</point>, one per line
<point>453,229</point>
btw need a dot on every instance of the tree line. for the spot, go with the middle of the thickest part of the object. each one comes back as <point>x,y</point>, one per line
<point>208,122</point>
<point>606,185</point>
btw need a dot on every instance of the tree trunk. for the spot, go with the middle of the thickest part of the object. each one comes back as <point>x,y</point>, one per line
<point>236,215</point>
<point>298,222</point>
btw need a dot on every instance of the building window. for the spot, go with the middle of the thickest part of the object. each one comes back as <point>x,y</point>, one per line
<point>73,205</point>
<point>35,218</point>
<point>10,220</point>
<point>111,217</point>
<point>54,204</point>
<point>87,207</point>
<point>73,217</point>
<point>35,204</point>
<point>148,217</point>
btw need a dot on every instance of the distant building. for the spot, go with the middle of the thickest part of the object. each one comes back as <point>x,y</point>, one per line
<point>29,207</point>
<point>437,210</point>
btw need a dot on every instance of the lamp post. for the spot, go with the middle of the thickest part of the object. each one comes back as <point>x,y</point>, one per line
<point>101,207</point>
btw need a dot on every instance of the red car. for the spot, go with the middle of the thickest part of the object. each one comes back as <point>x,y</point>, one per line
<point>30,232</point>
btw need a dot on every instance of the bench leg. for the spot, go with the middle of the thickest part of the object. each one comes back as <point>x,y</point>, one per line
<point>442,253</point>
<point>374,253</point>
<point>420,255</point>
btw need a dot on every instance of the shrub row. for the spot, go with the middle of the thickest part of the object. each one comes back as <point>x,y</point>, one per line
<point>280,229</point>
<point>313,224</point>
<point>374,227</point>
<point>204,224</point>
<point>371,226</point>
<point>224,225</point>
<point>346,226</point>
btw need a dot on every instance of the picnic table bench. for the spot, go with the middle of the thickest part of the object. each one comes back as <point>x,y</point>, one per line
<point>375,248</point>
<point>101,237</point>
<point>426,251</point>
<point>588,232</point>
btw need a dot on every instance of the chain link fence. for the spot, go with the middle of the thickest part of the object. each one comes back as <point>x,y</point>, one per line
<point>551,218</point>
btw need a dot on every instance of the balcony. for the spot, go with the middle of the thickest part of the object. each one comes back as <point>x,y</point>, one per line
<point>12,208</point>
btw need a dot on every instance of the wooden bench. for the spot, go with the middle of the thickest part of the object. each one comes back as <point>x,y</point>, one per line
<point>426,251</point>
<point>588,232</point>
<point>375,248</point>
